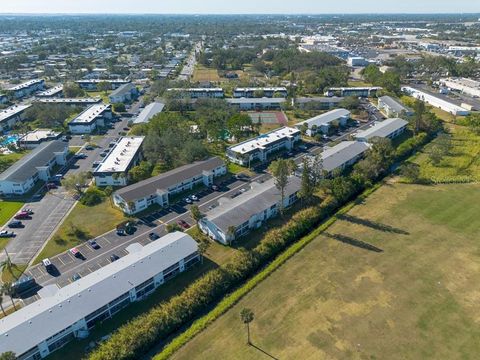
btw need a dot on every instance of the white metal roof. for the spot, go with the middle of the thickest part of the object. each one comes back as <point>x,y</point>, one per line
<point>264,140</point>
<point>121,155</point>
<point>382,128</point>
<point>90,114</point>
<point>326,118</point>
<point>11,111</point>
<point>27,327</point>
<point>51,91</point>
<point>25,85</point>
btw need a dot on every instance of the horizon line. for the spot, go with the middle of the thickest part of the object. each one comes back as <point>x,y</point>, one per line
<point>234,14</point>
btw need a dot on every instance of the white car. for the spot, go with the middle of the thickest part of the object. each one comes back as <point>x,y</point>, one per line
<point>188,200</point>
<point>194,197</point>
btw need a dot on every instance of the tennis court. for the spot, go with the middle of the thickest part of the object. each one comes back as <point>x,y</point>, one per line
<point>268,117</point>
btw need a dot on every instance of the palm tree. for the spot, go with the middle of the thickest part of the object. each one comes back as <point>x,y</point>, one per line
<point>202,248</point>
<point>7,264</point>
<point>247,317</point>
<point>231,233</point>
<point>7,289</point>
<point>196,213</point>
<point>1,304</point>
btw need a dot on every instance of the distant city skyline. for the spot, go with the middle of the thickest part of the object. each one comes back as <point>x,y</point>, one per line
<point>241,7</point>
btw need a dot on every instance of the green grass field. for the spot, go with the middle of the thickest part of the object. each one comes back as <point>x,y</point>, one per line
<point>91,221</point>
<point>396,278</point>
<point>201,73</point>
<point>462,164</point>
<point>7,210</point>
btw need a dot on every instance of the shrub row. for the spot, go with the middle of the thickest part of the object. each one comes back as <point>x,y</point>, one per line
<point>134,339</point>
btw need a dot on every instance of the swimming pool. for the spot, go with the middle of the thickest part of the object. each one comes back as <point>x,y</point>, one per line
<point>9,139</point>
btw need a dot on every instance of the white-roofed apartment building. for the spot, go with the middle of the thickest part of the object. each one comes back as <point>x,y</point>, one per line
<point>322,123</point>
<point>91,119</point>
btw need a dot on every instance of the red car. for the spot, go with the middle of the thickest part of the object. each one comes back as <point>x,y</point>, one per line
<point>183,224</point>
<point>22,215</point>
<point>75,252</point>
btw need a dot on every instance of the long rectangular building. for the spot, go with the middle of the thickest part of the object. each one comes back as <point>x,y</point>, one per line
<point>196,93</point>
<point>52,92</point>
<point>19,178</point>
<point>257,103</point>
<point>251,92</point>
<point>259,148</point>
<point>392,107</point>
<point>318,103</point>
<point>389,128</point>
<point>435,101</point>
<point>342,155</point>
<point>113,170</point>
<point>70,101</point>
<point>61,315</point>
<point>323,122</point>
<point>235,217</point>
<point>91,84</point>
<point>91,119</point>
<point>12,115</point>
<point>364,91</point>
<point>158,189</point>
<point>27,88</point>
<point>464,85</point>
<point>150,111</point>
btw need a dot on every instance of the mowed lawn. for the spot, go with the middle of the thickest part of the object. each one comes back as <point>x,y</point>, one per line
<point>202,73</point>
<point>398,277</point>
<point>8,209</point>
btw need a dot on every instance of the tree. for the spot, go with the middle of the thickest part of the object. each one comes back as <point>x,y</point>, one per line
<point>239,124</point>
<point>72,90</point>
<point>231,232</point>
<point>76,182</point>
<point>171,227</point>
<point>473,123</point>
<point>108,191</point>
<point>8,355</point>
<point>410,171</point>
<point>7,264</point>
<point>196,213</point>
<point>436,154</point>
<point>202,248</point>
<point>7,289</point>
<point>140,172</point>
<point>281,170</point>
<point>247,317</point>
<point>104,86</point>
<point>307,187</point>
<point>119,107</point>
<point>419,110</point>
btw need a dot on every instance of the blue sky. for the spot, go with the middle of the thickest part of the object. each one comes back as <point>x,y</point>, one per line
<point>239,6</point>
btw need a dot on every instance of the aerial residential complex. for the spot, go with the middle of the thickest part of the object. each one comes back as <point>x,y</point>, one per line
<point>251,92</point>
<point>259,148</point>
<point>342,155</point>
<point>235,217</point>
<point>389,128</point>
<point>367,91</point>
<point>52,92</point>
<point>148,112</point>
<point>435,101</point>
<point>27,88</point>
<point>19,178</point>
<point>34,138</point>
<point>318,103</point>
<point>70,101</point>
<point>393,107</point>
<point>257,103</point>
<point>124,94</point>
<point>12,115</point>
<point>61,315</point>
<point>197,93</point>
<point>158,189</point>
<point>91,84</point>
<point>125,154</point>
<point>323,122</point>
<point>90,119</point>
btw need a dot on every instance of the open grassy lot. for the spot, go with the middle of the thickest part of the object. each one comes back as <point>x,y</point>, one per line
<point>202,73</point>
<point>7,210</point>
<point>83,223</point>
<point>462,164</point>
<point>396,278</point>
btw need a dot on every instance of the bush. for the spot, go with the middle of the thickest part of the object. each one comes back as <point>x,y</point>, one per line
<point>119,107</point>
<point>92,197</point>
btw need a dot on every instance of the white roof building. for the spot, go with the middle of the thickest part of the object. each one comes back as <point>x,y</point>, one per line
<point>150,111</point>
<point>466,86</point>
<point>51,92</point>
<point>322,122</point>
<point>88,120</point>
<point>388,128</point>
<point>435,101</point>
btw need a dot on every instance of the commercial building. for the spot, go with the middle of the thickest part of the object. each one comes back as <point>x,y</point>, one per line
<point>27,88</point>
<point>197,93</point>
<point>258,149</point>
<point>125,154</point>
<point>148,112</point>
<point>435,101</point>
<point>124,94</point>
<point>90,119</point>
<point>392,107</point>
<point>467,86</point>
<point>61,315</point>
<point>158,189</point>
<point>70,101</point>
<point>318,103</point>
<point>34,138</point>
<point>56,91</point>
<point>365,91</point>
<point>19,178</point>
<point>91,84</point>
<point>257,103</point>
<point>357,61</point>
<point>251,92</point>
<point>389,128</point>
<point>12,115</point>
<point>323,122</point>
<point>233,218</point>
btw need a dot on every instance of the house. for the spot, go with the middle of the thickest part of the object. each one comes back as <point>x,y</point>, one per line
<point>389,128</point>
<point>260,147</point>
<point>126,93</point>
<point>27,88</point>
<point>19,178</point>
<point>318,103</point>
<point>90,119</point>
<point>72,311</point>
<point>125,154</point>
<point>233,218</point>
<point>436,101</point>
<point>148,112</point>
<point>158,189</point>
<point>69,101</point>
<point>322,123</point>
<point>56,91</point>
<point>91,84</point>
<point>268,92</point>
<point>34,138</point>
<point>197,93</point>
<point>364,91</point>
<point>256,103</point>
<point>392,107</point>
<point>12,115</point>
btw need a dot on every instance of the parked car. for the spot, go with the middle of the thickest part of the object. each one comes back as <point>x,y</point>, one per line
<point>214,187</point>
<point>81,156</point>
<point>194,197</point>
<point>183,224</point>
<point>303,147</point>
<point>76,277</point>
<point>89,147</point>
<point>29,211</point>
<point>188,200</point>
<point>95,164</point>
<point>23,284</point>
<point>51,186</point>
<point>94,244</point>
<point>6,234</point>
<point>22,215</point>
<point>75,252</point>
<point>114,257</point>
<point>15,224</point>
<point>48,264</point>
<point>153,236</point>
<point>103,154</point>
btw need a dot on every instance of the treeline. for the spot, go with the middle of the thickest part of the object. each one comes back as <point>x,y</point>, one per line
<point>134,339</point>
<point>50,116</point>
<point>388,80</point>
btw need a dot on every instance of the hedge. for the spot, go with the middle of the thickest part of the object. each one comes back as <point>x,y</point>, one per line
<point>135,338</point>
